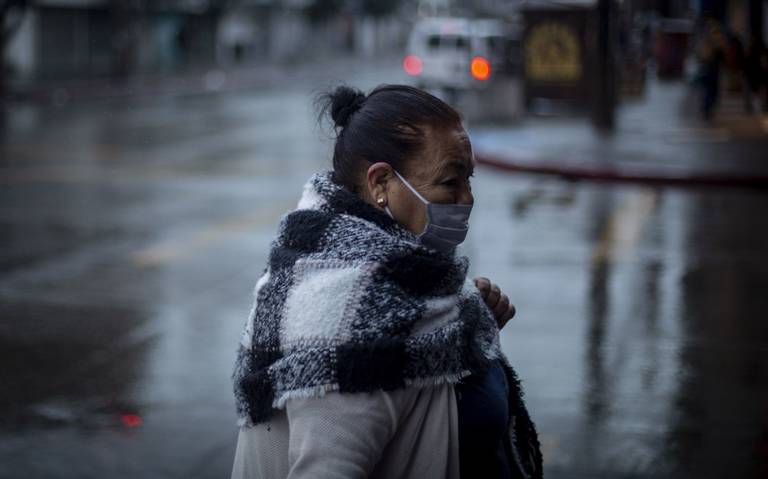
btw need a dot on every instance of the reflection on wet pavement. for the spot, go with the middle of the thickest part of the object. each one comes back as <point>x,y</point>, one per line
<point>638,336</point>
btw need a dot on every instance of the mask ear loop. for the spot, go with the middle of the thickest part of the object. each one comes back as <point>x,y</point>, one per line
<point>418,195</point>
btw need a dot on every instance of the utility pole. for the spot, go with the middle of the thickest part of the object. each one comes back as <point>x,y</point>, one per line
<point>604,94</point>
<point>756,18</point>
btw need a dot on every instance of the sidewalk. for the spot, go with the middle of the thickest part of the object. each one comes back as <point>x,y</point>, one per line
<point>659,139</point>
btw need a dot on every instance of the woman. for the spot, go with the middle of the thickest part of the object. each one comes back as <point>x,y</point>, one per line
<point>368,353</point>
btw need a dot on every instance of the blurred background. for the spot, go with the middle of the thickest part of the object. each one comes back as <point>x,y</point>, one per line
<point>149,148</point>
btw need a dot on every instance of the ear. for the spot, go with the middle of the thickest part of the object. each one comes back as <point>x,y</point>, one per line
<point>376,182</point>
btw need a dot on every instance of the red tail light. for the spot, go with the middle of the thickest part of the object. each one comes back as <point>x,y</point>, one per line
<point>480,68</point>
<point>412,65</point>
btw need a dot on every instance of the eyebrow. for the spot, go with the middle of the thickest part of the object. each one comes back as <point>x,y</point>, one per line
<point>455,165</point>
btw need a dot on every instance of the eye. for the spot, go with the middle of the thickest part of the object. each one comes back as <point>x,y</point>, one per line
<point>451,182</point>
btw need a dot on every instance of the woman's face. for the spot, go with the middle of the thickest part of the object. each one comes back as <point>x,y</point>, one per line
<point>441,175</point>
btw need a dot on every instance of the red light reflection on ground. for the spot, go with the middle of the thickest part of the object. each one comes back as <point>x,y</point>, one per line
<point>131,420</point>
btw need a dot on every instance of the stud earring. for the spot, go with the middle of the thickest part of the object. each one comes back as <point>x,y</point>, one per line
<point>380,201</point>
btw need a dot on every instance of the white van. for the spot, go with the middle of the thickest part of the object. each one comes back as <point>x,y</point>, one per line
<point>452,53</point>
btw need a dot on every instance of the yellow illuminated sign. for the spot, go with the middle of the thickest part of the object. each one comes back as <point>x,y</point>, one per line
<point>553,53</point>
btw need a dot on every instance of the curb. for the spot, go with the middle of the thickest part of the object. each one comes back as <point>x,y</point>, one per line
<point>623,175</point>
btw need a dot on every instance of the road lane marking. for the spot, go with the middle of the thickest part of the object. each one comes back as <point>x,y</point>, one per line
<point>624,226</point>
<point>178,248</point>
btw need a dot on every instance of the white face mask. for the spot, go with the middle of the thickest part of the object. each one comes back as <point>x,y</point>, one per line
<point>447,223</point>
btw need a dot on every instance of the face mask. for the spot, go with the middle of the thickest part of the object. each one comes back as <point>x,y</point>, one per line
<point>447,224</point>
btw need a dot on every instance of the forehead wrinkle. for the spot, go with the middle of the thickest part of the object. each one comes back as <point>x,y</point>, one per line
<point>457,158</point>
<point>462,152</point>
<point>447,150</point>
<point>455,155</point>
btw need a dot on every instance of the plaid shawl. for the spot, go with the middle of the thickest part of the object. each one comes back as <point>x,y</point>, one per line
<point>351,301</point>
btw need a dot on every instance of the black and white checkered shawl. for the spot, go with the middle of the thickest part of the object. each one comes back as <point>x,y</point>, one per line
<point>350,301</point>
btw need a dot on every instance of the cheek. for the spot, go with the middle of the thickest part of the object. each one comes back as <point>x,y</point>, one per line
<point>416,210</point>
<point>413,213</point>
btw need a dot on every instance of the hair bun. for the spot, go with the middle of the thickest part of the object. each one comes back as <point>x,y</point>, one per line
<point>344,102</point>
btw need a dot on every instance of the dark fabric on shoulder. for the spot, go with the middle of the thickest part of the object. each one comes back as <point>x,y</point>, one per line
<point>526,437</point>
<point>483,420</point>
<point>487,403</point>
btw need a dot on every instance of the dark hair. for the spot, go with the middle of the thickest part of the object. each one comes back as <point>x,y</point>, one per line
<point>387,125</point>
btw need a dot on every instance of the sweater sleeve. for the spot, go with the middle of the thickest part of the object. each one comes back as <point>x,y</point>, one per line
<point>339,435</point>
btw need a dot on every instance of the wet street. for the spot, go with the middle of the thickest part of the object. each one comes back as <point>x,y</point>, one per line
<point>133,233</point>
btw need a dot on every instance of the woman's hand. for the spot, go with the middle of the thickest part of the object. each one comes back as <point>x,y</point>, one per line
<point>497,302</point>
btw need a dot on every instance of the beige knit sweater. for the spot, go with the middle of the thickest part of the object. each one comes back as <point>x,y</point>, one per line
<point>410,433</point>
